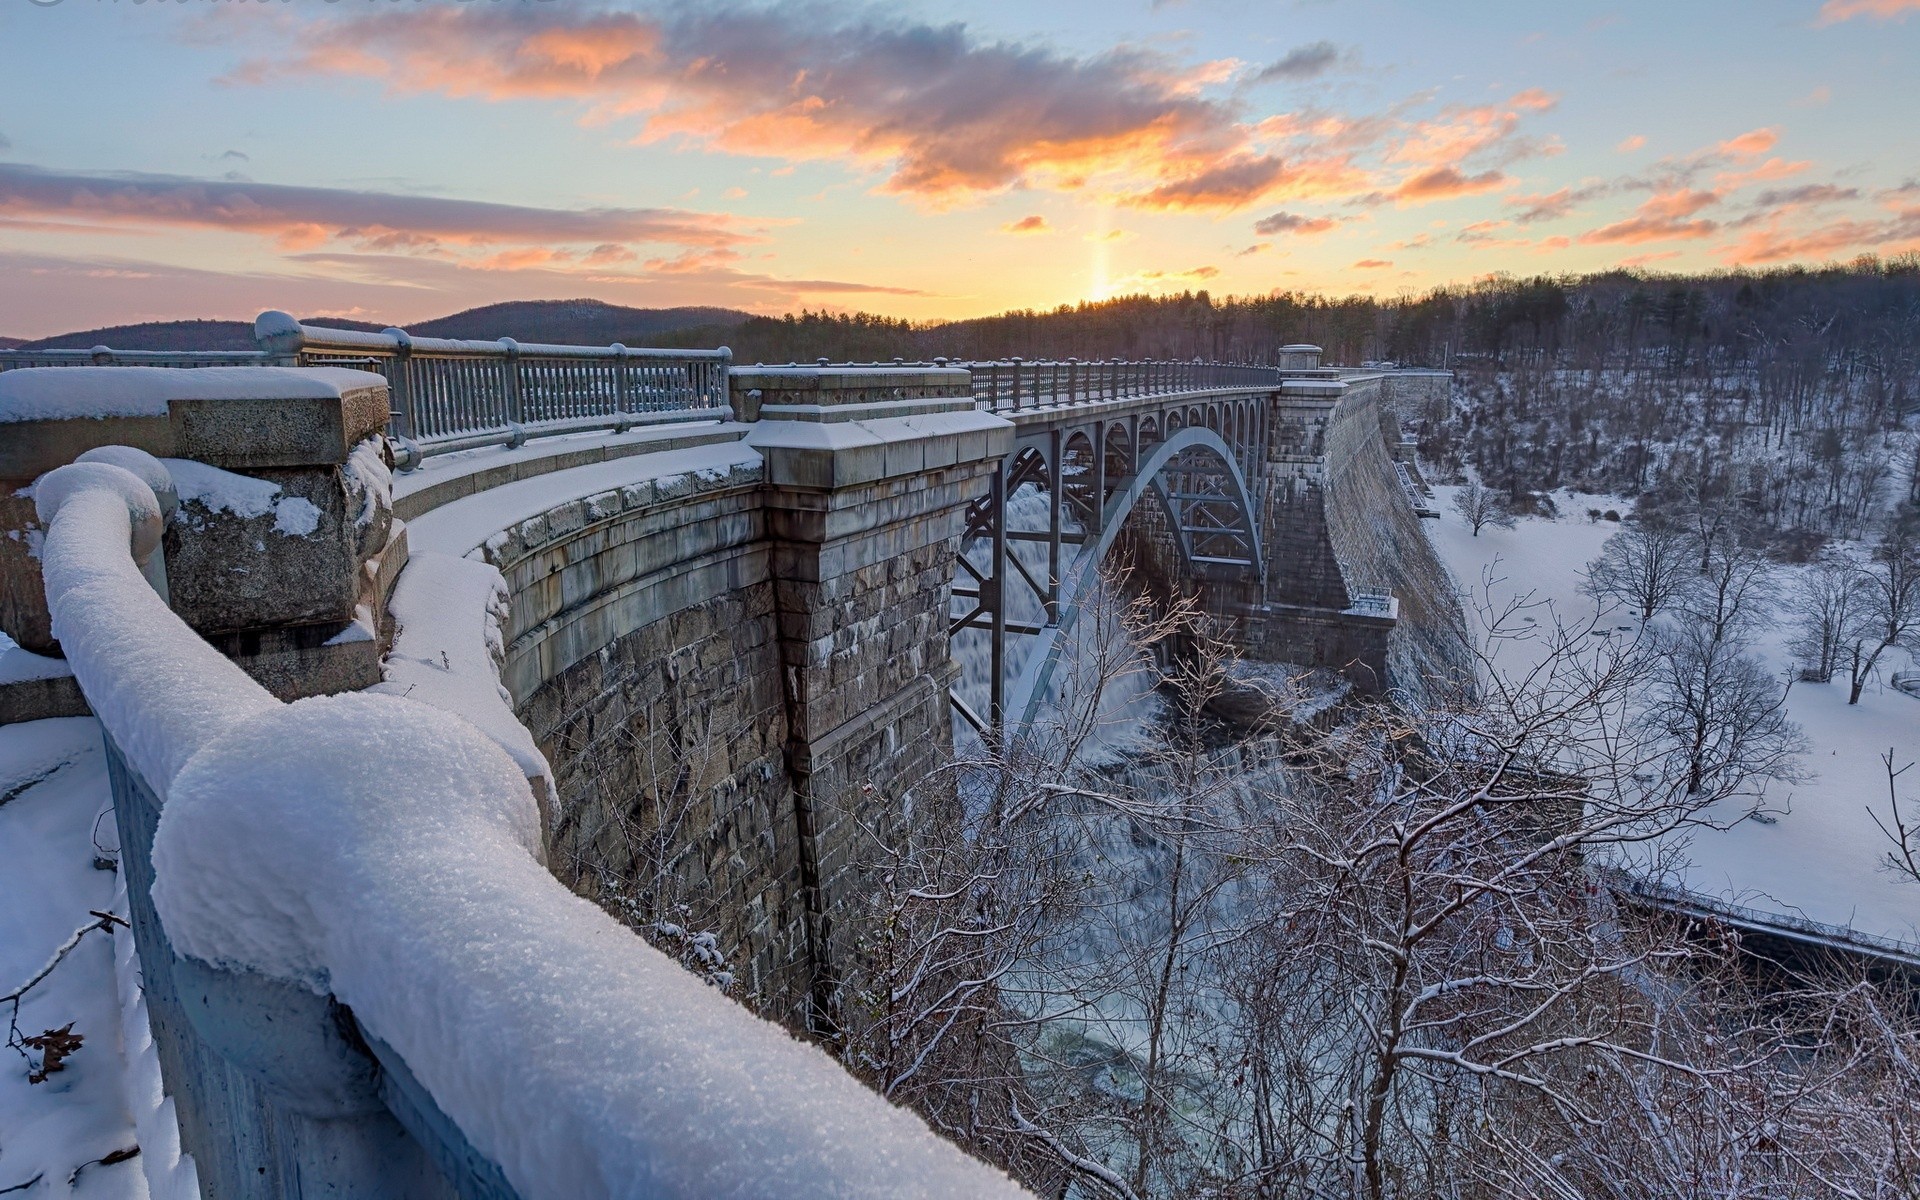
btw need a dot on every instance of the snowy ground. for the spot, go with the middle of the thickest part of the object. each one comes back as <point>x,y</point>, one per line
<point>54,803</point>
<point>1822,859</point>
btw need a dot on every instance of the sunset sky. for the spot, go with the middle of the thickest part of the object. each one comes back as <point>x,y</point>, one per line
<point>401,160</point>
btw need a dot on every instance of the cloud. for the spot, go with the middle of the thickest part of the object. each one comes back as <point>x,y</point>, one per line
<point>1629,144</point>
<point>1372,264</point>
<point>1301,62</point>
<point>1458,134</point>
<point>1835,11</point>
<point>1294,223</point>
<point>303,217</point>
<point>1446,183</point>
<point>1806,194</point>
<point>1751,144</point>
<point>1815,98</point>
<point>1032,224</point>
<point>1835,239</point>
<point>1551,206</point>
<point>234,156</point>
<point>1256,248</point>
<point>1647,229</point>
<point>941,113</point>
<point>935,113</point>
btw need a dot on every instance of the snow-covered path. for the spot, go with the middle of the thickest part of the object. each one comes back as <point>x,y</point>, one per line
<point>1821,860</point>
<point>53,794</point>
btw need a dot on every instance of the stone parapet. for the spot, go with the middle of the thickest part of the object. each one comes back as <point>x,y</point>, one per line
<point>282,546</point>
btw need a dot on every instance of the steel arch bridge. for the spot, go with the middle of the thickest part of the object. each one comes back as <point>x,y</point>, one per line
<point>1197,453</point>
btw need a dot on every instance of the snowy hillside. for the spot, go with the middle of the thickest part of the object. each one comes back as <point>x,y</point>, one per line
<point>1821,859</point>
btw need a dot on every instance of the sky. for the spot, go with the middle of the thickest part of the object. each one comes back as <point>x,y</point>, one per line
<point>396,160</point>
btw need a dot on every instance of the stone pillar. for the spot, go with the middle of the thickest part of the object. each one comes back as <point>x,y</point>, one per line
<point>1310,612</point>
<point>282,549</point>
<point>868,473</point>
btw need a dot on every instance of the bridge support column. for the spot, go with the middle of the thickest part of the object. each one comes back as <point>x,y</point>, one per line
<point>868,474</point>
<point>1309,610</point>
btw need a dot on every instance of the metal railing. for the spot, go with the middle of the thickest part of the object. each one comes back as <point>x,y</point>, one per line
<point>456,395</point>
<point>1015,384</point>
<point>453,395</point>
<point>103,356</point>
<point>1686,902</point>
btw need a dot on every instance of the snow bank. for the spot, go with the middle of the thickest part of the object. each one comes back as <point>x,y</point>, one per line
<point>21,666</point>
<point>53,786</point>
<point>463,525</point>
<point>380,849</point>
<point>63,393</point>
<point>448,649</point>
<point>242,495</point>
<point>1820,859</point>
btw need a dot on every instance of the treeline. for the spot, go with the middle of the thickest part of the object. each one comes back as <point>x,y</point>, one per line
<point>1865,314</point>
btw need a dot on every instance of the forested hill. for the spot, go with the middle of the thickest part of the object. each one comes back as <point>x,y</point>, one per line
<point>568,322</point>
<point>1869,310</point>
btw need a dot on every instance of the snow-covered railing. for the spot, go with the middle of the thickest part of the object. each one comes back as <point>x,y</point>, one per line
<point>362,979</point>
<point>104,356</point>
<point>454,395</point>
<point>1015,384</point>
<point>1779,924</point>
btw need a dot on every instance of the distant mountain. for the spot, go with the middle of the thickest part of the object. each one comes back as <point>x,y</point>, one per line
<point>572,322</point>
<point>155,335</point>
<point>7,343</point>
<point>567,322</point>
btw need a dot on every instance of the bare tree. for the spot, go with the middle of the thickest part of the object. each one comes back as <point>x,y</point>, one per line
<point>1735,592</point>
<point>1647,566</point>
<point>1481,506</point>
<point>1724,715</point>
<point>1824,608</point>
<point>1890,603</point>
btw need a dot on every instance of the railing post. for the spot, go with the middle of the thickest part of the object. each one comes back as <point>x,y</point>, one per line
<point>1016,385</point>
<point>510,381</point>
<point>401,383</point>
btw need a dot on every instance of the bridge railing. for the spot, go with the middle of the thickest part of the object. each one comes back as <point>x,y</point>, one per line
<point>451,394</point>
<point>1015,384</point>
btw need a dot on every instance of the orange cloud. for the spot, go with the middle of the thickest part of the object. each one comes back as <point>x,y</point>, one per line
<point>1751,144</point>
<point>944,115</point>
<point>1629,145</point>
<point>1032,224</point>
<point>1446,183</point>
<point>1372,264</point>
<point>1835,11</point>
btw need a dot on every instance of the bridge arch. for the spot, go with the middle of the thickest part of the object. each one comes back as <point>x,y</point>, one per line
<point>1036,677</point>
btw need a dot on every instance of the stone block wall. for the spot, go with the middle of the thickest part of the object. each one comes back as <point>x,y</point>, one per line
<point>1376,534</point>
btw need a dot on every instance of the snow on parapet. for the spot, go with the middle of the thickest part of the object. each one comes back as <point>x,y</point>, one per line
<point>157,687</point>
<point>448,648</point>
<point>62,393</point>
<point>386,852</point>
<point>242,495</point>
